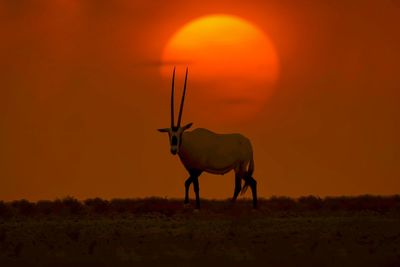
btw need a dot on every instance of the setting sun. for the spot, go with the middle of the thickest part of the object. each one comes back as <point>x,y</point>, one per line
<point>196,133</point>
<point>228,57</point>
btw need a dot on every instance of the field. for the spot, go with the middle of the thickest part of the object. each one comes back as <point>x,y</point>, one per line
<point>309,231</point>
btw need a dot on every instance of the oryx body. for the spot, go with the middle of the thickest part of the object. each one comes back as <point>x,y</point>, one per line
<point>202,150</point>
<point>215,153</point>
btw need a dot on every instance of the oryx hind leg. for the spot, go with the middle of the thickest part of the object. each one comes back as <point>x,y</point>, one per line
<point>253,185</point>
<point>238,186</point>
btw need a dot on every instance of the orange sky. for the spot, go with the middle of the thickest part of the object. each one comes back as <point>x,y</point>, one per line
<point>81,97</point>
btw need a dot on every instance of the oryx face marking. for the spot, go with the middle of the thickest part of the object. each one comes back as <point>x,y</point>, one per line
<point>175,132</point>
<point>175,137</point>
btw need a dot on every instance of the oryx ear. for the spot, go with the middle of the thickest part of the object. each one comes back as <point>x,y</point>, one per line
<point>187,126</point>
<point>163,130</point>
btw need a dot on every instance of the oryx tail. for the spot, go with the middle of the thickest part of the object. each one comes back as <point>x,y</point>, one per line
<point>249,174</point>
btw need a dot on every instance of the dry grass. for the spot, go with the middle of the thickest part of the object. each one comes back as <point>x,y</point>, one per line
<point>309,231</point>
<point>171,207</point>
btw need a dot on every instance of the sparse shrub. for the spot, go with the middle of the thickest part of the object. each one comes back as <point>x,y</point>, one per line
<point>310,203</point>
<point>153,204</point>
<point>97,205</point>
<point>281,203</point>
<point>45,207</point>
<point>169,207</point>
<point>58,207</point>
<point>121,205</point>
<point>23,207</point>
<point>374,203</point>
<point>4,210</point>
<point>363,203</point>
<point>336,203</point>
<point>72,205</point>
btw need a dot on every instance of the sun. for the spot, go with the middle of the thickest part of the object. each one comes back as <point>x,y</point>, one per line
<point>231,62</point>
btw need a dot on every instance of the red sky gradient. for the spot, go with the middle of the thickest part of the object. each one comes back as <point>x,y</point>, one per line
<point>81,97</point>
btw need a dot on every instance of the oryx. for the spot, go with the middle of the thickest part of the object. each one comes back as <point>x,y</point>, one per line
<point>201,150</point>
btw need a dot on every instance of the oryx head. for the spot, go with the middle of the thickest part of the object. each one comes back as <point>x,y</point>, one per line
<point>175,132</point>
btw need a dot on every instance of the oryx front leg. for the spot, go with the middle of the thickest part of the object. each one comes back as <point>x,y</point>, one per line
<point>187,186</point>
<point>194,174</point>
<point>197,191</point>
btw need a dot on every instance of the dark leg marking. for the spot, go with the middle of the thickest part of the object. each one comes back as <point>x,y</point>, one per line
<point>194,174</point>
<point>238,187</point>
<point>187,185</point>
<point>197,191</point>
<point>253,185</point>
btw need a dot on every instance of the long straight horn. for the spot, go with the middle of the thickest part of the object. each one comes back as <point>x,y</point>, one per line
<point>183,99</point>
<point>172,100</point>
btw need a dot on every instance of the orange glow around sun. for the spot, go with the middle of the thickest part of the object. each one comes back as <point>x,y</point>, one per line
<point>229,57</point>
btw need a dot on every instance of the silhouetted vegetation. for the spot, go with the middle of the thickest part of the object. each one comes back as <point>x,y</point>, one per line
<point>307,231</point>
<point>70,206</point>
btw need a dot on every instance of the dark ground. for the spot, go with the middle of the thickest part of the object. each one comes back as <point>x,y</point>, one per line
<point>343,231</point>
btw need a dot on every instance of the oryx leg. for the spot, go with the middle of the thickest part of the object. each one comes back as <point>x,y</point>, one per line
<point>238,186</point>
<point>187,185</point>
<point>253,186</point>
<point>197,189</point>
<point>194,174</point>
